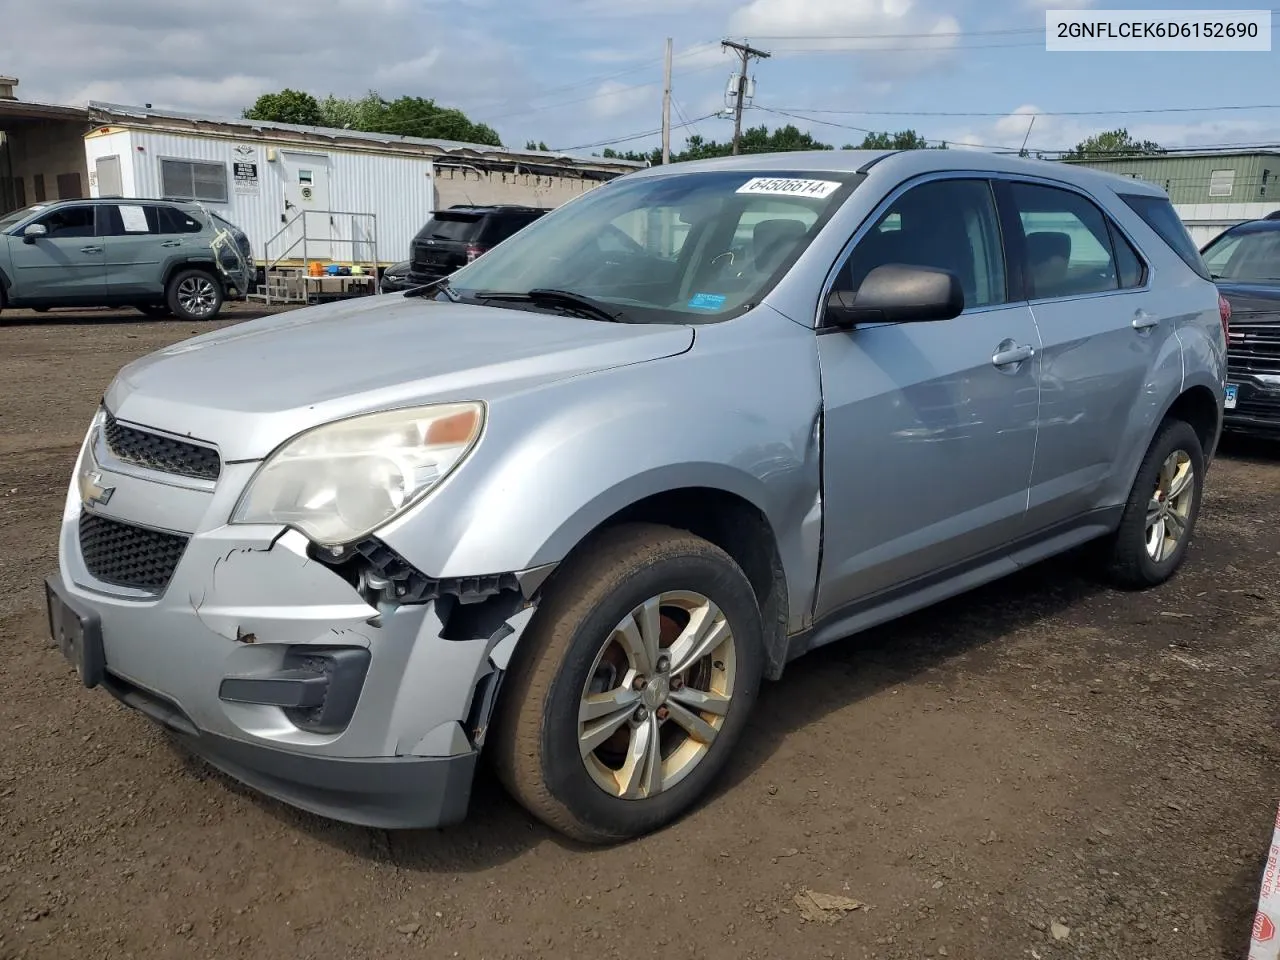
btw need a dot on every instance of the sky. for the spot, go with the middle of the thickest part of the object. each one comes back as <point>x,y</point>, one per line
<point>577,74</point>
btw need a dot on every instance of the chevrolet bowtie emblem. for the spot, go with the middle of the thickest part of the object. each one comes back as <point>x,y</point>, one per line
<point>92,491</point>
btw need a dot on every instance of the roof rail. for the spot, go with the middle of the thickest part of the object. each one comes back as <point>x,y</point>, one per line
<point>874,160</point>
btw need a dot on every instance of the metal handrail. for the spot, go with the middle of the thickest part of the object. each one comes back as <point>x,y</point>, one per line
<point>371,240</point>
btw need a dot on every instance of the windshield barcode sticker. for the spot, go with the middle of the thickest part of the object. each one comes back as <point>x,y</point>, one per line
<point>787,187</point>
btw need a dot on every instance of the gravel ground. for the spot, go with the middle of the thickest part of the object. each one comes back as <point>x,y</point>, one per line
<point>1044,768</point>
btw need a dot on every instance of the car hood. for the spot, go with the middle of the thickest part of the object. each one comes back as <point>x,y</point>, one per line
<point>1252,302</point>
<point>249,387</point>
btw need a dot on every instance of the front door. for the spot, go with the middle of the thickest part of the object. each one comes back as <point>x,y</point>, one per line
<point>930,428</point>
<point>306,197</point>
<point>67,264</point>
<point>1087,287</point>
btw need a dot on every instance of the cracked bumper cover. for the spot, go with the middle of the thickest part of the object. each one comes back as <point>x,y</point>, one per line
<point>241,603</point>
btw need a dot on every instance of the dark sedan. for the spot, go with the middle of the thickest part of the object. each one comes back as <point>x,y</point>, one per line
<point>396,278</point>
<point>1245,263</point>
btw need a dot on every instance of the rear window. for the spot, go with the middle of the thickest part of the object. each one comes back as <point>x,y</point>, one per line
<point>452,226</point>
<point>1245,255</point>
<point>1159,215</point>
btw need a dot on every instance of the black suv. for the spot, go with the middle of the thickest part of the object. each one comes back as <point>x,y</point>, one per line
<point>453,238</point>
<point>1245,263</point>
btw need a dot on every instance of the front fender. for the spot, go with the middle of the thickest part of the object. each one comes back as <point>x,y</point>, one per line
<point>556,462</point>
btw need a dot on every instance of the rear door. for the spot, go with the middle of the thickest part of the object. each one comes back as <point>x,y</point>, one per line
<point>134,249</point>
<point>65,265</point>
<point>1089,293</point>
<point>441,246</point>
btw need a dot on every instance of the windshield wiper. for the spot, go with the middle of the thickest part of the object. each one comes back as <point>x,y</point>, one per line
<point>440,286</point>
<point>545,296</point>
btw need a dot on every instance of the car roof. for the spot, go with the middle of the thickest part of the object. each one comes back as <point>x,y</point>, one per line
<point>902,164</point>
<point>493,208</point>
<point>80,201</point>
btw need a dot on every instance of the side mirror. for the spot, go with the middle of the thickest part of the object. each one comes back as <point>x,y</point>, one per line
<point>34,232</point>
<point>897,293</point>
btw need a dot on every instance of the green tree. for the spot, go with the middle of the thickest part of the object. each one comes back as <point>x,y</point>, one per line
<point>405,116</point>
<point>536,145</point>
<point>1112,143</point>
<point>902,140</point>
<point>287,106</point>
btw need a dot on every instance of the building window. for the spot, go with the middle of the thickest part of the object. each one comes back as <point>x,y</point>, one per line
<point>1221,183</point>
<point>69,186</point>
<point>193,180</point>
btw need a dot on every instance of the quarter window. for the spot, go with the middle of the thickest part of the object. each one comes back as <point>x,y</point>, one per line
<point>173,220</point>
<point>1067,243</point>
<point>1132,271</point>
<point>945,224</point>
<point>194,180</point>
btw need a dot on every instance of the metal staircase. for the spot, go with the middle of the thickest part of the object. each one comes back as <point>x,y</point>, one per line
<point>311,236</point>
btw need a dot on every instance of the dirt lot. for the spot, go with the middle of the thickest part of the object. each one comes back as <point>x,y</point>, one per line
<point>1044,769</point>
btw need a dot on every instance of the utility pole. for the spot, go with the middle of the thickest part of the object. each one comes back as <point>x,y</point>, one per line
<point>666,107</point>
<point>747,53</point>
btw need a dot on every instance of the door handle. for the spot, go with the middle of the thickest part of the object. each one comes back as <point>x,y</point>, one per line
<point>90,249</point>
<point>171,243</point>
<point>1144,321</point>
<point>1012,354</point>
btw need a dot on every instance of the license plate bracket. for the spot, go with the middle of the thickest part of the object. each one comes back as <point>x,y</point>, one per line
<point>77,633</point>
<point>1229,396</point>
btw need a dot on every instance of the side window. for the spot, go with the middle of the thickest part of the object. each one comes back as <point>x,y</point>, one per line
<point>946,224</point>
<point>126,220</point>
<point>69,222</point>
<point>1129,266</point>
<point>1068,244</point>
<point>173,220</point>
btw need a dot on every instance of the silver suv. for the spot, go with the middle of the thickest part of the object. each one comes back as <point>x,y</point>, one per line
<point>571,505</point>
<point>167,258</point>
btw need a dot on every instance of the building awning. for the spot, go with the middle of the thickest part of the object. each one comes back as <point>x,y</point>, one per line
<point>16,114</point>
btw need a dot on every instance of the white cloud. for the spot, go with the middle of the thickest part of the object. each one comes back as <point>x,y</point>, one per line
<point>1061,4</point>
<point>176,55</point>
<point>614,99</point>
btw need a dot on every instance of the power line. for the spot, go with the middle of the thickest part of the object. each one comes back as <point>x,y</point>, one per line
<point>747,53</point>
<point>1035,113</point>
<point>630,137</point>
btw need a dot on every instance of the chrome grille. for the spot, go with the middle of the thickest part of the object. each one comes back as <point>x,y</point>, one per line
<point>161,453</point>
<point>129,556</point>
<point>1253,348</point>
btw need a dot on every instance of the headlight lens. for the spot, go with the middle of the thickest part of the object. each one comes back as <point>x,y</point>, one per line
<point>338,482</point>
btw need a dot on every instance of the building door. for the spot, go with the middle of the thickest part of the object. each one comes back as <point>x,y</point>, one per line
<point>306,198</point>
<point>110,183</point>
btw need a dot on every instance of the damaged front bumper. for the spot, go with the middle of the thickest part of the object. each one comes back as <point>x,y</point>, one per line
<point>281,672</point>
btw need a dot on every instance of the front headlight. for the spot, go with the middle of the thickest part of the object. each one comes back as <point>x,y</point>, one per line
<point>340,481</point>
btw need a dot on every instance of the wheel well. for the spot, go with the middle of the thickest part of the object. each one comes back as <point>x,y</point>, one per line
<point>738,528</point>
<point>1198,407</point>
<point>204,266</point>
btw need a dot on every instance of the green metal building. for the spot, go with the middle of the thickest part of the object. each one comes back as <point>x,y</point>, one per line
<point>1210,190</point>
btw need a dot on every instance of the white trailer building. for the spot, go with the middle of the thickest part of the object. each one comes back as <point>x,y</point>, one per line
<point>305,194</point>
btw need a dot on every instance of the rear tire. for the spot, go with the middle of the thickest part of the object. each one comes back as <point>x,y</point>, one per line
<point>619,712</point>
<point>193,295</point>
<point>1160,515</point>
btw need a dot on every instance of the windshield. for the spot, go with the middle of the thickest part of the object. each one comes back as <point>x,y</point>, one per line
<point>674,248</point>
<point>14,217</point>
<point>1245,255</point>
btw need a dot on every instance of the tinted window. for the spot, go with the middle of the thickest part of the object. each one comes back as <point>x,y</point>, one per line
<point>1160,216</point>
<point>451,226</point>
<point>69,222</point>
<point>946,224</point>
<point>126,220</point>
<point>1245,255</point>
<point>1132,271</point>
<point>193,180</point>
<point>173,220</point>
<point>1067,243</point>
<point>499,226</point>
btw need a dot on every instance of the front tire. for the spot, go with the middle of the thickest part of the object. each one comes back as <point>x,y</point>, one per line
<point>632,684</point>
<point>193,295</point>
<point>1160,515</point>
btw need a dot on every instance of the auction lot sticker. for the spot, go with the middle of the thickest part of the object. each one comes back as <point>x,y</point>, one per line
<point>788,187</point>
